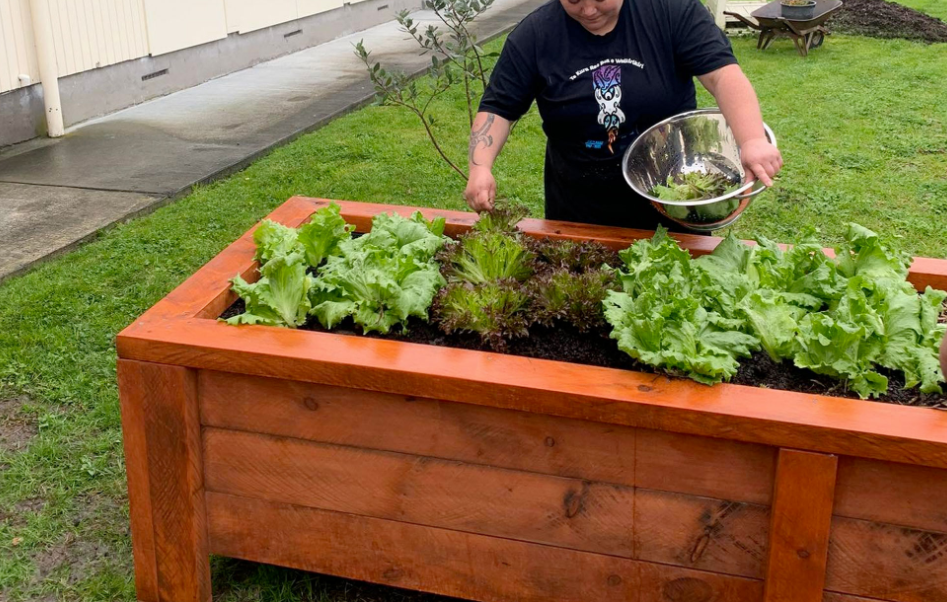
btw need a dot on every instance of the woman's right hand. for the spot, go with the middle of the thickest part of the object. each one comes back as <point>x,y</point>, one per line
<point>481,189</point>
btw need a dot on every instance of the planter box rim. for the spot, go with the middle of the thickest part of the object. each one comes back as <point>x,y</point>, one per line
<point>181,329</point>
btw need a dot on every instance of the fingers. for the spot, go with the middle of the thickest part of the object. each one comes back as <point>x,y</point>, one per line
<point>761,173</point>
<point>485,200</point>
<point>481,200</point>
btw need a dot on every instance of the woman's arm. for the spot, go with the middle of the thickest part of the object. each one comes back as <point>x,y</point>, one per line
<point>487,137</point>
<point>740,107</point>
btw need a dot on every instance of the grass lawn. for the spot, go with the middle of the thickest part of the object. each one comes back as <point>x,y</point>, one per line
<point>935,8</point>
<point>862,124</point>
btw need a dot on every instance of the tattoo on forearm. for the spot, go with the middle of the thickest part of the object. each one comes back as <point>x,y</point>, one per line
<point>480,136</point>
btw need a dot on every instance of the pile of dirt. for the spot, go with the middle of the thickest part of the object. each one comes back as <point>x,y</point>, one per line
<point>882,19</point>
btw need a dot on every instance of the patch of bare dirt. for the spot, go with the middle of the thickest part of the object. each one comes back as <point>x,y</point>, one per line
<point>78,554</point>
<point>70,560</point>
<point>882,19</point>
<point>16,428</point>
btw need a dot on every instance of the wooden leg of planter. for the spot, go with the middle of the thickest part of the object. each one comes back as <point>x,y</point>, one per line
<point>161,429</point>
<point>800,524</point>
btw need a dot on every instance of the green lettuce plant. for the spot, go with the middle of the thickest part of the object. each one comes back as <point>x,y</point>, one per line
<point>382,278</point>
<point>287,256</point>
<point>843,317</point>
<point>659,318</point>
<point>280,297</point>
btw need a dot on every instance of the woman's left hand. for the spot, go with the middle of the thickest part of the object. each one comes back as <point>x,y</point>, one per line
<point>761,160</point>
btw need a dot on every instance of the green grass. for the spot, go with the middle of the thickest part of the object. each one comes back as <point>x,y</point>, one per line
<point>935,8</point>
<point>862,124</point>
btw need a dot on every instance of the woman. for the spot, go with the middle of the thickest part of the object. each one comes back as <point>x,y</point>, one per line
<point>601,72</point>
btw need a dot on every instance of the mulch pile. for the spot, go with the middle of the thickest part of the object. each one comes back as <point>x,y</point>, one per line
<point>881,19</point>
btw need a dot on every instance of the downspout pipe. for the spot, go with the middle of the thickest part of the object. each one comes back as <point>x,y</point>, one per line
<point>48,71</point>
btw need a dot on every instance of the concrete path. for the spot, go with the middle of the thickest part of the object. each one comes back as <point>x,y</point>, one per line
<point>57,193</point>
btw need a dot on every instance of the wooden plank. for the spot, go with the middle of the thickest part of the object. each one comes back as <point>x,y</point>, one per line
<point>424,427</point>
<point>701,533</point>
<point>481,435</point>
<point>799,533</point>
<point>167,400</point>
<point>131,390</point>
<point>834,597</point>
<point>729,470</point>
<point>887,562</point>
<point>749,414</point>
<point>449,562</point>
<point>886,492</point>
<point>671,528</point>
<point>170,333</point>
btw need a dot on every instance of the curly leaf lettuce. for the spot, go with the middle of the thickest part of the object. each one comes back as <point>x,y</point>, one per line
<point>280,297</point>
<point>321,236</point>
<point>382,278</point>
<point>659,319</point>
<point>274,240</point>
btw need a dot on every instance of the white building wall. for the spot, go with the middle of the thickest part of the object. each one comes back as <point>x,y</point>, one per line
<point>95,33</point>
<point>17,49</point>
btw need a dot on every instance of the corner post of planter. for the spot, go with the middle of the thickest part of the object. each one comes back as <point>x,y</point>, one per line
<point>803,499</point>
<point>162,438</point>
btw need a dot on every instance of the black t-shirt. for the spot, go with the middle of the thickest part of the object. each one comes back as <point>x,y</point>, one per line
<point>595,94</point>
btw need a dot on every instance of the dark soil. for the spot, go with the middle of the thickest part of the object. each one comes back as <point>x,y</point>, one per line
<point>881,19</point>
<point>564,343</point>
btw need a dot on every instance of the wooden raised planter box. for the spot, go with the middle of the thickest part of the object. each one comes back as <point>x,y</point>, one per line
<point>494,477</point>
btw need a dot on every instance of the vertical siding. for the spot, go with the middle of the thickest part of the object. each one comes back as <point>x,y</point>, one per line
<point>250,15</point>
<point>17,50</point>
<point>177,24</point>
<point>305,8</point>
<point>86,34</point>
<point>96,33</point>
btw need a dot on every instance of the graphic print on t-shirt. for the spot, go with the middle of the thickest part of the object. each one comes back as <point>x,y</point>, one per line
<point>606,81</point>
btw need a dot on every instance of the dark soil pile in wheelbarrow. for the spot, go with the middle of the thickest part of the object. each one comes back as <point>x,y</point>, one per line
<point>881,19</point>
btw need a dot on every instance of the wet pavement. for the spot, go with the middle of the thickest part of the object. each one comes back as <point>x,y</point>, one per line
<point>54,194</point>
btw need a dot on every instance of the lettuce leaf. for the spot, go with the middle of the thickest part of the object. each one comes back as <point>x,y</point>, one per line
<point>383,277</point>
<point>659,318</point>
<point>321,236</point>
<point>273,240</point>
<point>280,297</point>
<point>842,318</point>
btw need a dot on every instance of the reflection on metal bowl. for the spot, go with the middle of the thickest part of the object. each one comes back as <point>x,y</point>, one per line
<point>696,141</point>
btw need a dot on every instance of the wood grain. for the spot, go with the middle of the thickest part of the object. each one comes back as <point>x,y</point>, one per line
<point>887,562</point>
<point>167,399</point>
<point>449,562</point>
<point>799,533</point>
<point>778,418</point>
<point>886,492</point>
<point>834,597</point>
<point>701,533</point>
<point>730,470</point>
<point>481,435</point>
<point>131,389</point>
<point>687,531</point>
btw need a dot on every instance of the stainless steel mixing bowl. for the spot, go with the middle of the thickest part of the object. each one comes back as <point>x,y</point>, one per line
<point>695,141</point>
